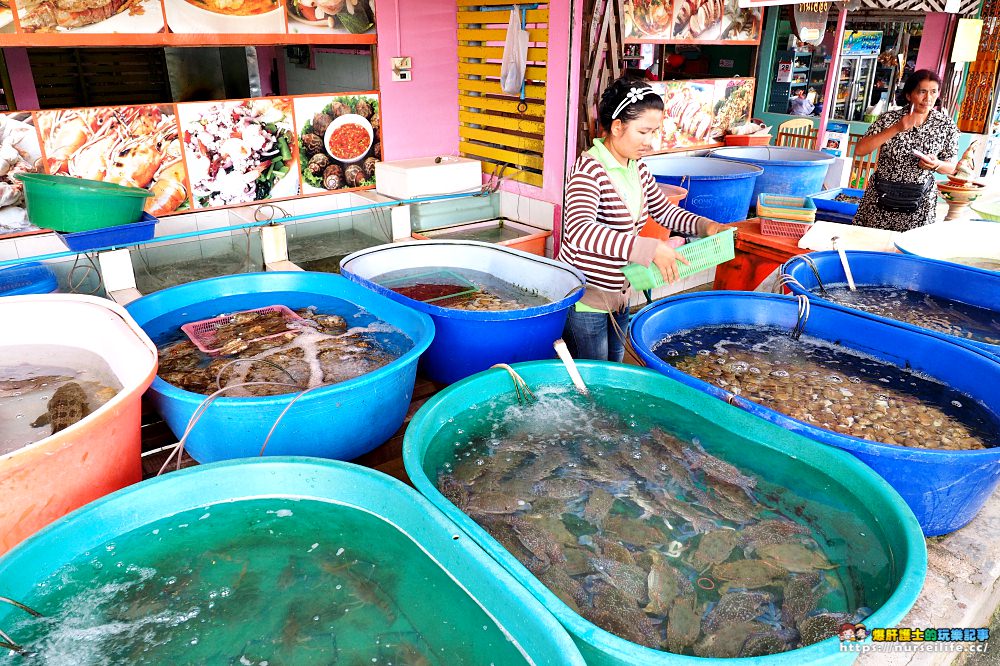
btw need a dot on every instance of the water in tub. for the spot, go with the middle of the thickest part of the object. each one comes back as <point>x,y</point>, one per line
<point>261,354</point>
<point>460,289</point>
<point>39,399</point>
<point>938,314</point>
<point>831,387</point>
<point>659,526</point>
<point>261,581</point>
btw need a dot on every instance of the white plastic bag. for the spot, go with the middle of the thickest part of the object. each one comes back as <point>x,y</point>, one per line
<point>515,56</point>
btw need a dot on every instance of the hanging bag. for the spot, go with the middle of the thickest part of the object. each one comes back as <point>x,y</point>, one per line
<point>515,56</point>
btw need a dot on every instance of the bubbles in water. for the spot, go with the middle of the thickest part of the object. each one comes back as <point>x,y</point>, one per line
<point>956,403</point>
<point>779,373</point>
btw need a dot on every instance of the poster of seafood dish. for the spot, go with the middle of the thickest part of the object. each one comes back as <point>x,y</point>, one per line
<point>689,114</point>
<point>6,17</point>
<point>354,17</point>
<point>733,105</point>
<point>137,146</point>
<point>238,152</point>
<point>691,21</point>
<point>19,153</point>
<point>339,141</point>
<point>89,16</point>
<point>225,16</point>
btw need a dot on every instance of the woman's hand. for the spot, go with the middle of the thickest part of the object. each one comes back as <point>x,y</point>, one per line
<point>929,163</point>
<point>666,259</point>
<point>716,227</point>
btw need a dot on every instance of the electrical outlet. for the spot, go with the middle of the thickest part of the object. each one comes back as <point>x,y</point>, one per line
<point>401,67</point>
<point>401,75</point>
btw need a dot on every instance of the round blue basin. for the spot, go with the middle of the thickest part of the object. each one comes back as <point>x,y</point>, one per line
<point>341,421</point>
<point>466,342</point>
<point>793,171</point>
<point>30,278</point>
<point>717,189</point>
<point>885,269</point>
<point>944,489</point>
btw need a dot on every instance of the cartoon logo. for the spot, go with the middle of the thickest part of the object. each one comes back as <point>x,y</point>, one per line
<point>860,633</point>
<point>846,632</point>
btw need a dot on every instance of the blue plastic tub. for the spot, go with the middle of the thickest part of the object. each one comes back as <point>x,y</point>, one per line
<point>719,190</point>
<point>29,278</point>
<point>901,271</point>
<point>466,342</point>
<point>123,234</point>
<point>864,502</point>
<point>348,494</point>
<point>945,489</point>
<point>793,171</point>
<point>825,200</point>
<point>339,421</point>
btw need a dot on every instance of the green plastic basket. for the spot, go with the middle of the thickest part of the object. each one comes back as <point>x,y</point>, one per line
<point>71,205</point>
<point>701,254</point>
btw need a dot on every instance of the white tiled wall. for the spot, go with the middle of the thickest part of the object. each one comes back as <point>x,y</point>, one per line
<point>517,207</point>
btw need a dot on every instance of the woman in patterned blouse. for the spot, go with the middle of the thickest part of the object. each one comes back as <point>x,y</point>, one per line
<point>609,197</point>
<point>914,143</point>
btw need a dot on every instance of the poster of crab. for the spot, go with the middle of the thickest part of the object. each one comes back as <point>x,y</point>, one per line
<point>89,16</point>
<point>238,152</point>
<point>19,153</point>
<point>339,140</point>
<point>691,21</point>
<point>137,146</point>
<point>689,114</point>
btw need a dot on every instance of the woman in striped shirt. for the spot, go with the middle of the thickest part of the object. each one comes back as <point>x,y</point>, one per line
<point>609,196</point>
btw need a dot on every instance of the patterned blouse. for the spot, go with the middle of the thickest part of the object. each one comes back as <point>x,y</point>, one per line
<point>937,137</point>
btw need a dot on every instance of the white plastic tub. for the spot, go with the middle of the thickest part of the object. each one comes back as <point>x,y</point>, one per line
<point>97,455</point>
<point>968,242</point>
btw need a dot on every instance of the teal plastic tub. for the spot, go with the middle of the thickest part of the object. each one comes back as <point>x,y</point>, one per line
<point>492,618</point>
<point>870,507</point>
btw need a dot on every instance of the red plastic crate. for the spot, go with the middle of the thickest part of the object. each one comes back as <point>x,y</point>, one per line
<point>202,333</point>
<point>783,228</point>
<point>747,140</point>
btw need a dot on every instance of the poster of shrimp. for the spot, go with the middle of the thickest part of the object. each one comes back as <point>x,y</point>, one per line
<point>692,21</point>
<point>339,140</point>
<point>138,146</point>
<point>19,153</point>
<point>689,114</point>
<point>238,152</point>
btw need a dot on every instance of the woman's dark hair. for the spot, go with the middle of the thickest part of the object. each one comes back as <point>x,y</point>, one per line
<point>616,92</point>
<point>918,77</point>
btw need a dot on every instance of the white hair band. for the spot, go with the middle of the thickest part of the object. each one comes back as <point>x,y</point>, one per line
<point>634,95</point>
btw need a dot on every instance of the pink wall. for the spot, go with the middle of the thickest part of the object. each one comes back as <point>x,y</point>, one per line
<point>419,117</point>
<point>934,41</point>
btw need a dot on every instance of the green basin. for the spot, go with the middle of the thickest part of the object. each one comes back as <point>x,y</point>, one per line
<point>67,204</point>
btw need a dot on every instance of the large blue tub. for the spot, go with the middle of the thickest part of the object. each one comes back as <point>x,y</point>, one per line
<point>945,489</point>
<point>719,190</point>
<point>901,271</point>
<point>793,171</point>
<point>855,499</point>
<point>493,613</point>
<point>466,342</point>
<point>339,421</point>
<point>29,278</point>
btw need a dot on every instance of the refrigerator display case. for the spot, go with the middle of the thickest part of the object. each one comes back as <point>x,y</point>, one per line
<point>854,87</point>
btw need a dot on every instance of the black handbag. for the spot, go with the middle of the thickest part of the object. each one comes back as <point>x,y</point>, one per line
<point>898,197</point>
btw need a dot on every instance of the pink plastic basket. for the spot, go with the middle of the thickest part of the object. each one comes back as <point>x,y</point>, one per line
<point>783,228</point>
<point>202,333</point>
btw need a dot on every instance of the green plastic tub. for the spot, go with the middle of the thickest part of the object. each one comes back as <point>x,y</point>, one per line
<point>283,560</point>
<point>870,519</point>
<point>67,204</point>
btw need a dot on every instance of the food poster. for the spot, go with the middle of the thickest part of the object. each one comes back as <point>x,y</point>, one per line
<point>137,146</point>
<point>225,16</point>
<point>339,140</point>
<point>689,114</point>
<point>238,152</point>
<point>692,21</point>
<point>733,105</point>
<point>87,16</point>
<point>19,153</point>
<point>6,17</point>
<point>355,17</point>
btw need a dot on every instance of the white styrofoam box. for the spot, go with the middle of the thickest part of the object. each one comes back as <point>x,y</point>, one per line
<point>428,176</point>
<point>839,173</point>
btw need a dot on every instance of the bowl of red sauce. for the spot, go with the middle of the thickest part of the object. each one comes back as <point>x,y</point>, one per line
<point>349,138</point>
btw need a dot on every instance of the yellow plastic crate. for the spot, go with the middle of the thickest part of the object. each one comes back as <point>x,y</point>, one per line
<point>781,207</point>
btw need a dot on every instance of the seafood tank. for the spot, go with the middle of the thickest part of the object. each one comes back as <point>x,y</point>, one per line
<point>320,244</point>
<point>829,386</point>
<point>662,521</point>
<point>460,289</point>
<point>161,265</point>
<point>321,563</point>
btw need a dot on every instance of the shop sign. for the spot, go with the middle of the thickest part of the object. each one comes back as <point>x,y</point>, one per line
<point>810,21</point>
<point>784,72</point>
<point>862,42</point>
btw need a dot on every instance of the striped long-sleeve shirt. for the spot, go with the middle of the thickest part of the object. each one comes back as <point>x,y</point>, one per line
<point>600,236</point>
